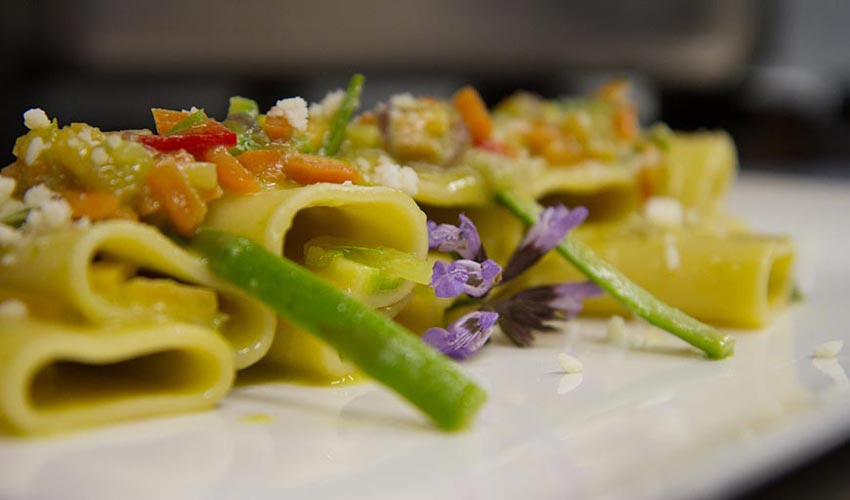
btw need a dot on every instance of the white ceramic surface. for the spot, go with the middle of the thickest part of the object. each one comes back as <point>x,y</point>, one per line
<point>653,422</point>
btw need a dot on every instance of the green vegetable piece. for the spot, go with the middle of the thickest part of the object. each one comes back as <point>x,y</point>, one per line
<point>243,105</point>
<point>350,103</point>
<point>382,349</point>
<point>196,118</point>
<point>642,303</point>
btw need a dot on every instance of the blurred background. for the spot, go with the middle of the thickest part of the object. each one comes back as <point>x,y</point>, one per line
<point>776,74</point>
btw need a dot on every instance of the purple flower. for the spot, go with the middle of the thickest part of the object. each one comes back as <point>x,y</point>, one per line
<point>532,309</point>
<point>463,239</point>
<point>465,336</point>
<point>450,279</point>
<point>552,225</point>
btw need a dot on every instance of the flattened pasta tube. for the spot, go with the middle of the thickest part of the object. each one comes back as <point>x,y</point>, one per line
<point>287,221</point>
<point>59,376</point>
<point>117,271</point>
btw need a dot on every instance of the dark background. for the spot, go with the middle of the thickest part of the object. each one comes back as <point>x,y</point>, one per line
<point>776,74</point>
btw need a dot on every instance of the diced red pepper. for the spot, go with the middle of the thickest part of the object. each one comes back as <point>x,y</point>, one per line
<point>193,143</point>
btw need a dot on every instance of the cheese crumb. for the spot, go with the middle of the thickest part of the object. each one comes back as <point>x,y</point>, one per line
<point>829,349</point>
<point>672,259</point>
<point>99,156</point>
<point>395,176</point>
<point>617,333</point>
<point>36,118</point>
<point>328,106</point>
<point>294,109</point>
<point>665,211</point>
<point>13,309</point>
<point>113,141</point>
<point>37,196</point>
<point>7,187</point>
<point>34,149</point>
<point>570,364</point>
<point>9,235</point>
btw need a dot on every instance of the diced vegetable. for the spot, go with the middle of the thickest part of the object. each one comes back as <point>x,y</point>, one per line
<point>301,168</point>
<point>277,127</point>
<point>243,105</point>
<point>232,176</point>
<point>714,343</point>
<point>166,119</point>
<point>350,103</point>
<point>194,119</point>
<point>379,347</point>
<point>195,143</point>
<point>474,113</point>
<point>96,205</point>
<point>180,201</point>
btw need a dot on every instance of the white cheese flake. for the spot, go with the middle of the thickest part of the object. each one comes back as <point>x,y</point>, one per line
<point>672,258</point>
<point>13,309</point>
<point>395,176</point>
<point>99,156</point>
<point>328,106</point>
<point>7,187</point>
<point>617,333</point>
<point>570,364</point>
<point>294,109</point>
<point>9,235</point>
<point>665,211</point>
<point>113,141</point>
<point>37,196</point>
<point>829,349</point>
<point>404,100</point>
<point>36,118</point>
<point>34,149</point>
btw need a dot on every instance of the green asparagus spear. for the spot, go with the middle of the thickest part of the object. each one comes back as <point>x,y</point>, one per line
<point>378,346</point>
<point>639,301</point>
<point>350,103</point>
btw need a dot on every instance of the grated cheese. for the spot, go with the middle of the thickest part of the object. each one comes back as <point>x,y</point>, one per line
<point>617,333</point>
<point>37,196</point>
<point>665,211</point>
<point>328,106</point>
<point>99,156</point>
<point>829,349</point>
<point>570,364</point>
<point>672,258</point>
<point>395,176</point>
<point>9,236</point>
<point>13,309</point>
<point>294,109</point>
<point>7,187</point>
<point>36,118</point>
<point>34,149</point>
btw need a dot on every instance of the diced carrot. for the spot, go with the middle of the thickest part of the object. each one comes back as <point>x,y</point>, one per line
<point>626,122</point>
<point>474,114</point>
<point>166,119</point>
<point>301,168</point>
<point>367,118</point>
<point>96,205</point>
<point>310,169</point>
<point>540,137</point>
<point>277,127</point>
<point>180,201</point>
<point>232,176</point>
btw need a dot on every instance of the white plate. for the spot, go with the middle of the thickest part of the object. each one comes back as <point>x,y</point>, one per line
<point>652,422</point>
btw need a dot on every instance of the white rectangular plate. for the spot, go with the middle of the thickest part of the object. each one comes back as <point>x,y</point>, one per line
<point>655,421</point>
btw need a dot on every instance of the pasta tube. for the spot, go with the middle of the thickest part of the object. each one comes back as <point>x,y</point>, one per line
<point>60,376</point>
<point>120,271</point>
<point>286,221</point>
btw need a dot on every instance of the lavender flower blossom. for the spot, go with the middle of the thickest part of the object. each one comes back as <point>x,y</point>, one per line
<point>532,309</point>
<point>551,227</point>
<point>450,279</point>
<point>465,336</point>
<point>463,239</point>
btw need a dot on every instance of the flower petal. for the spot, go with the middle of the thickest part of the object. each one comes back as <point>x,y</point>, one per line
<point>552,225</point>
<point>463,239</point>
<point>465,336</point>
<point>447,279</point>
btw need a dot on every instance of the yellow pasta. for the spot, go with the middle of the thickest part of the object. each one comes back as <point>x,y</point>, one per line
<point>92,272</point>
<point>284,221</point>
<point>61,376</point>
